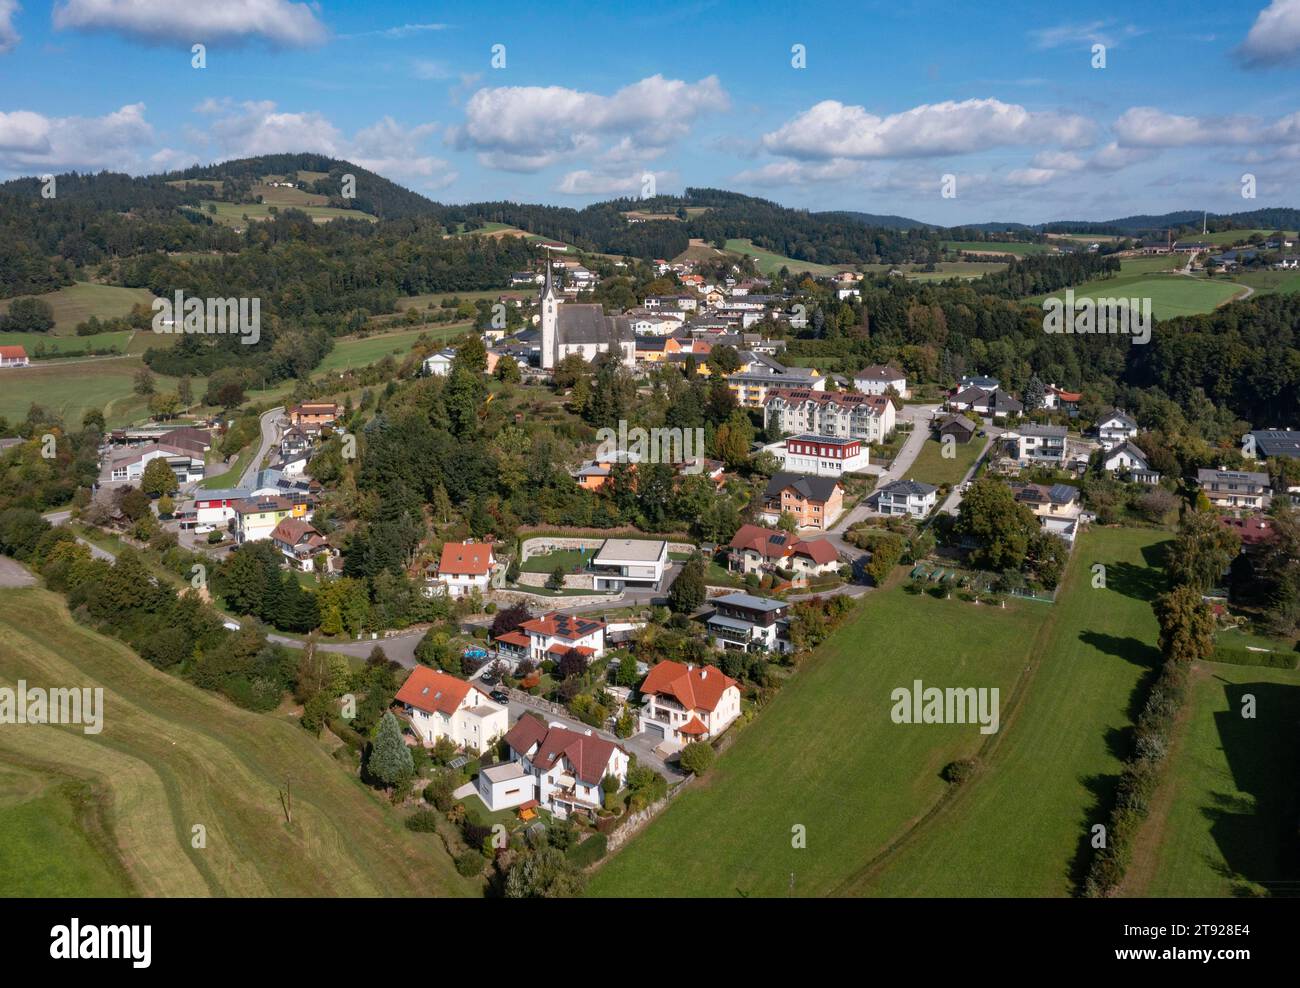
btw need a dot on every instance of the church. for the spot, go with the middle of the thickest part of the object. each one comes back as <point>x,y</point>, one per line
<point>568,328</point>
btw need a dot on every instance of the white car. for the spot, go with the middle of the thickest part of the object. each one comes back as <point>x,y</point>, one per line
<point>203,529</point>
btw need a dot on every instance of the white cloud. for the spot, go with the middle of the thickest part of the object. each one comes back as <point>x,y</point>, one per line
<point>1274,38</point>
<point>239,130</point>
<point>831,129</point>
<point>291,25</point>
<point>527,128</point>
<point>1148,127</point>
<point>9,36</point>
<point>401,31</point>
<point>29,140</point>
<point>588,183</point>
<point>1107,33</point>
<point>429,69</point>
<point>778,173</point>
<point>1062,161</point>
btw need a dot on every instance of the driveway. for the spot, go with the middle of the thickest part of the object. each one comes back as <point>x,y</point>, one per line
<point>270,436</point>
<point>641,745</point>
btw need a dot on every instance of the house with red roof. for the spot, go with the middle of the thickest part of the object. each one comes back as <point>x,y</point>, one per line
<point>300,543</point>
<point>439,705</point>
<point>463,568</point>
<point>554,635</point>
<point>686,703</point>
<point>755,549</point>
<point>13,356</point>
<point>566,769</point>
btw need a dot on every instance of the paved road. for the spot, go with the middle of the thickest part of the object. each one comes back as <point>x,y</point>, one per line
<point>953,502</point>
<point>14,574</point>
<point>270,436</point>
<point>61,518</point>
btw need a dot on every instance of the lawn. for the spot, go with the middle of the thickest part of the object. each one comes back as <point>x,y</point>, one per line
<point>825,754</point>
<point>1017,248</point>
<point>1227,824</point>
<point>72,386</point>
<point>172,757</point>
<point>931,467</point>
<point>80,301</point>
<point>1171,295</point>
<point>769,263</point>
<point>362,351</point>
<point>571,559</point>
<point>38,345</point>
<point>1019,827</point>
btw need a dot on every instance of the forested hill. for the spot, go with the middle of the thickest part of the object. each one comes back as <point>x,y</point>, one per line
<point>1268,218</point>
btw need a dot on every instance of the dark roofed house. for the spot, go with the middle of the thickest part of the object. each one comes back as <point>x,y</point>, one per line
<point>959,427</point>
<point>814,502</point>
<point>1276,442</point>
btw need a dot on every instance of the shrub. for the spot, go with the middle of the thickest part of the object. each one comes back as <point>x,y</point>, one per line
<point>1240,656</point>
<point>422,821</point>
<point>960,771</point>
<point>469,863</point>
<point>696,757</point>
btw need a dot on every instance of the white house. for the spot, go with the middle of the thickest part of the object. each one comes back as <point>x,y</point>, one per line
<point>300,543</point>
<point>623,563</point>
<point>1130,463</point>
<point>566,767</point>
<point>442,706</point>
<point>439,364</point>
<point>216,508</point>
<point>879,378</point>
<point>1115,427</point>
<point>130,464</point>
<point>1235,490</point>
<point>1040,444</point>
<point>554,635</point>
<point>685,703</point>
<point>13,356</point>
<point>906,497</point>
<point>822,456</point>
<point>870,418</point>
<point>749,623</point>
<point>465,567</point>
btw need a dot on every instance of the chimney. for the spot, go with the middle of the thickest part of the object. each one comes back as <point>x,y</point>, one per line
<point>704,672</point>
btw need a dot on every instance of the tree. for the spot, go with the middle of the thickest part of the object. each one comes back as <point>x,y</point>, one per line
<point>543,873</point>
<point>164,405</point>
<point>885,554</point>
<point>185,392</point>
<point>1035,394</point>
<point>696,757</point>
<point>556,580</point>
<point>509,618</point>
<point>507,371</point>
<point>1186,625</point>
<point>144,382</point>
<point>28,315</point>
<point>688,591</point>
<point>1202,552</point>
<point>166,506</point>
<point>389,762</point>
<point>990,514</point>
<point>158,478</point>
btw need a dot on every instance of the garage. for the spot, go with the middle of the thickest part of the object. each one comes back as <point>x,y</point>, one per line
<point>655,731</point>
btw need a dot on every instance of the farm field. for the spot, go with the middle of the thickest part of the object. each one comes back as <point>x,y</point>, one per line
<point>70,387</point>
<point>1225,238</point>
<point>769,263</point>
<point>857,781</point>
<point>697,250</point>
<point>233,213</point>
<point>1269,282</point>
<point>930,467</point>
<point>1016,247</point>
<point>362,351</point>
<point>1156,262</point>
<point>1019,827</point>
<point>80,301</point>
<point>1228,818</point>
<point>172,757</point>
<point>1171,295</point>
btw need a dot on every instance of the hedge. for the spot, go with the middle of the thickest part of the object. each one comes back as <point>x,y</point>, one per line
<point>1238,655</point>
<point>589,851</point>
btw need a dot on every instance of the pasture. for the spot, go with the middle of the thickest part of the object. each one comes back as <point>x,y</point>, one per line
<point>1171,295</point>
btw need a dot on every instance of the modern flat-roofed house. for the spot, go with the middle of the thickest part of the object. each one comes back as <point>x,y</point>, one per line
<point>1276,442</point>
<point>566,767</point>
<point>441,706</point>
<point>1130,463</point>
<point>749,623</point>
<point>465,567</point>
<point>312,416</point>
<point>13,356</point>
<point>129,464</point>
<point>878,379</point>
<point>622,563</point>
<point>1057,507</point>
<point>822,456</point>
<point>905,497</point>
<point>814,502</point>
<point>1115,426</point>
<point>1040,445</point>
<point>217,507</point>
<point>554,635</point>
<point>685,703</point>
<point>1235,490</point>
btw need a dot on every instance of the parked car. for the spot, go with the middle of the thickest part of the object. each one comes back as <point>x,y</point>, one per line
<point>500,696</point>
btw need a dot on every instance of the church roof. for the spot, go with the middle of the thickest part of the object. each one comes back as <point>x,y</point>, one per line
<point>576,324</point>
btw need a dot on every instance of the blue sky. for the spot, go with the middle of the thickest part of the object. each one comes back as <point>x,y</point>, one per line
<point>593,97</point>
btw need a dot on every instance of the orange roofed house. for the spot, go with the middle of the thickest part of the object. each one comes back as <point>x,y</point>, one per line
<point>554,635</point>
<point>465,567</point>
<point>312,416</point>
<point>442,706</point>
<point>685,703</point>
<point>755,549</point>
<point>561,769</point>
<point>13,356</point>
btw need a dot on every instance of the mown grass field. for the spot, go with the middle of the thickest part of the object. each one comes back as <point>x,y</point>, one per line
<point>72,386</point>
<point>930,466</point>
<point>1019,827</point>
<point>1269,282</point>
<point>1226,238</point>
<point>769,263</point>
<point>80,301</point>
<point>1225,825</point>
<point>1018,248</point>
<point>172,757</point>
<point>233,213</point>
<point>825,754</point>
<point>1171,295</point>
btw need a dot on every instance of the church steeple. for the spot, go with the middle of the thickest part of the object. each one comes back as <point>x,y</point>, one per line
<point>550,316</point>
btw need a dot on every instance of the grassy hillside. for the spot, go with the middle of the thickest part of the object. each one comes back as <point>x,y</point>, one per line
<point>769,263</point>
<point>79,302</point>
<point>172,757</point>
<point>1171,295</point>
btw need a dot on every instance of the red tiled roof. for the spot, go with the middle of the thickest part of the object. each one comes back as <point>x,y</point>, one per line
<point>517,638</point>
<point>12,352</point>
<point>695,689</point>
<point>292,530</point>
<point>557,625</point>
<point>693,726</point>
<point>432,691</point>
<point>465,559</point>
<point>588,754</point>
<point>820,551</point>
